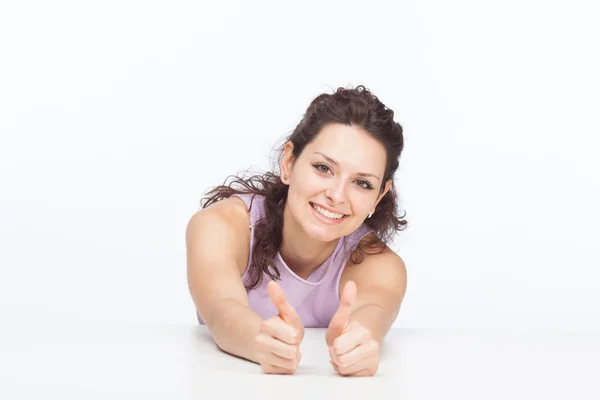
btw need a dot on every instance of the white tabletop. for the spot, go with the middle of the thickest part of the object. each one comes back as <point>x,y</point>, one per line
<point>80,361</point>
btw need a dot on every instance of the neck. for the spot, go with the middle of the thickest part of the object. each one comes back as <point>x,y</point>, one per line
<point>301,253</point>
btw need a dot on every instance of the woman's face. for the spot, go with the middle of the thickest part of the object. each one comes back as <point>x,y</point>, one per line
<point>341,170</point>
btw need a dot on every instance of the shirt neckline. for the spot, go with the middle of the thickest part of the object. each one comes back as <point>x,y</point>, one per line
<point>322,270</point>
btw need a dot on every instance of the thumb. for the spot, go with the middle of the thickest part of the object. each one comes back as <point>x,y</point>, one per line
<point>341,318</point>
<point>285,310</point>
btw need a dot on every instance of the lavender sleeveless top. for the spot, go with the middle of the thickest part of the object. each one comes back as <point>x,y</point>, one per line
<point>316,298</point>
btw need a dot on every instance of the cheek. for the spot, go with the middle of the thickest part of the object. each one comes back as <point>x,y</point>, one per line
<point>308,184</point>
<point>363,203</point>
<point>361,208</point>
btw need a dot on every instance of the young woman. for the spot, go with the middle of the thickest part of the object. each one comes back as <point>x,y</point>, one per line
<point>306,247</point>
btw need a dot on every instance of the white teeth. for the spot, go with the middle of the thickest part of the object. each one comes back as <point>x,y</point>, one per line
<point>327,213</point>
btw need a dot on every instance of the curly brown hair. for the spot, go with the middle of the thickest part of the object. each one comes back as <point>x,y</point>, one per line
<point>353,107</point>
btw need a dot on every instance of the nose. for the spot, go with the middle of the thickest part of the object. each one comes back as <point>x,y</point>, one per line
<point>337,191</point>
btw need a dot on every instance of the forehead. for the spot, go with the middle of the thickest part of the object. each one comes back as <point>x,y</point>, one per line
<point>351,146</point>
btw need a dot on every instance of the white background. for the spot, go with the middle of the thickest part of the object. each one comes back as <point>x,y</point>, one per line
<point>116,117</point>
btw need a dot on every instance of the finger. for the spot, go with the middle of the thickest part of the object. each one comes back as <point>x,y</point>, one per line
<point>280,362</point>
<point>369,364</point>
<point>277,328</point>
<point>349,340</point>
<point>273,369</point>
<point>367,350</point>
<point>333,356</point>
<point>364,372</point>
<point>285,310</point>
<point>335,367</point>
<point>341,318</point>
<point>269,344</point>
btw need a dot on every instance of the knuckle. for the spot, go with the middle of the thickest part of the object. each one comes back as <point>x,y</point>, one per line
<point>295,335</point>
<point>265,368</point>
<point>375,345</point>
<point>260,341</point>
<point>288,352</point>
<point>336,343</point>
<point>290,364</point>
<point>284,369</point>
<point>263,326</point>
<point>287,360</point>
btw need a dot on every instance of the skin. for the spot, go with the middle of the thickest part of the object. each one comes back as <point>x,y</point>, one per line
<point>218,239</point>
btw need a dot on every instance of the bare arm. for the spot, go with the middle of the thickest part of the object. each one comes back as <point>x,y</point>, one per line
<point>380,294</point>
<point>215,240</point>
<point>369,302</point>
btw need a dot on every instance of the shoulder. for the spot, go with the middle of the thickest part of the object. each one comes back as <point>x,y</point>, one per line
<point>228,219</point>
<point>383,270</point>
<point>232,210</point>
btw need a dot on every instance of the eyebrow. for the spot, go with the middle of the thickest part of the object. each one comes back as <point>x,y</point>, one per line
<point>331,160</point>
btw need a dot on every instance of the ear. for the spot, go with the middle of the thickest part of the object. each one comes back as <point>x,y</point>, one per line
<point>388,184</point>
<point>287,160</point>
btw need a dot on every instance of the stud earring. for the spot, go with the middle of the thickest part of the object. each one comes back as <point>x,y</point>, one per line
<point>370,214</point>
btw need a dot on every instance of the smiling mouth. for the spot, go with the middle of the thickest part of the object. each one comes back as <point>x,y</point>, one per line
<point>331,218</point>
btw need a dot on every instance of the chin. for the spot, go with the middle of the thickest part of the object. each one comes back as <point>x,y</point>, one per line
<point>323,232</point>
<point>322,235</point>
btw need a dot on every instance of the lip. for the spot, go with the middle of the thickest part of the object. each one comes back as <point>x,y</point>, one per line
<point>327,208</point>
<point>324,219</point>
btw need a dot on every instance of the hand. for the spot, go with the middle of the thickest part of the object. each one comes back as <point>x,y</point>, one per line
<point>352,348</point>
<point>278,340</point>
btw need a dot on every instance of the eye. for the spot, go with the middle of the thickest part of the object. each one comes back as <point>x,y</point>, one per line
<point>324,168</point>
<point>366,185</point>
<point>318,167</point>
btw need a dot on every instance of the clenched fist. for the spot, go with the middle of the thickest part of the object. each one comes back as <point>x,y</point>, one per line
<point>352,348</point>
<point>278,341</point>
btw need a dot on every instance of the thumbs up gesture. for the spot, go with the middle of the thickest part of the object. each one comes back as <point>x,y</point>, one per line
<point>352,348</point>
<point>278,340</point>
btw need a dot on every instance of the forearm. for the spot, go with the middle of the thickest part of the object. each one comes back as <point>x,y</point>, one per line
<point>234,328</point>
<point>375,318</point>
